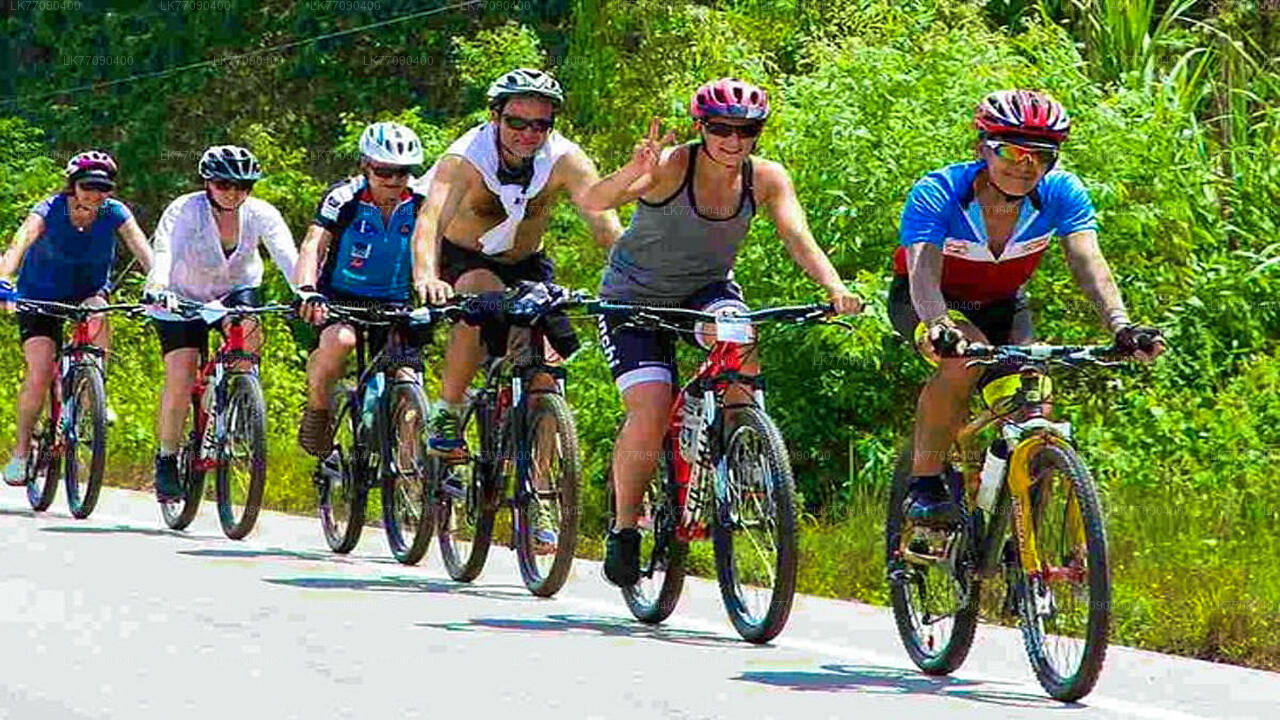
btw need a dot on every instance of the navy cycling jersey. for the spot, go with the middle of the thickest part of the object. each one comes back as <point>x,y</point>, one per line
<point>941,211</point>
<point>368,258</point>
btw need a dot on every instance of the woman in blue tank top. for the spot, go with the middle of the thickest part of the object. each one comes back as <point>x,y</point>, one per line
<point>64,252</point>
<point>695,205</point>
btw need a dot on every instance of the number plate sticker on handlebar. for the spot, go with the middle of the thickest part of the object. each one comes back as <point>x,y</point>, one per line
<point>733,329</point>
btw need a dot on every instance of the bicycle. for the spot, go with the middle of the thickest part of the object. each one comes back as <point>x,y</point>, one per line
<point>226,430</point>
<point>528,460</point>
<point>380,438</point>
<point>1057,580</point>
<point>80,429</point>
<point>724,471</point>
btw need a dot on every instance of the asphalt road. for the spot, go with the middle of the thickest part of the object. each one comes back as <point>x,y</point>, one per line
<point>115,617</point>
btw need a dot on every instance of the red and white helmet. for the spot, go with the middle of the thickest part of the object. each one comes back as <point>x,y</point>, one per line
<point>729,97</point>
<point>86,162</point>
<point>1027,113</point>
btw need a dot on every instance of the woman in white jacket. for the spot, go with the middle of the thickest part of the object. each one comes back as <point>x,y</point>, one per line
<point>206,248</point>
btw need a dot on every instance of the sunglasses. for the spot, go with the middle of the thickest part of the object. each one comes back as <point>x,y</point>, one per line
<point>228,185</point>
<point>99,187</point>
<point>1009,152</point>
<point>397,171</point>
<point>515,122</point>
<point>746,132</point>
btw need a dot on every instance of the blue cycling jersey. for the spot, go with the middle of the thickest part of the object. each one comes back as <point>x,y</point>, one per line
<point>67,264</point>
<point>370,258</point>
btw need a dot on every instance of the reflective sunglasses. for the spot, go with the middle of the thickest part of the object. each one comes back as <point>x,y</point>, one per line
<point>228,185</point>
<point>98,186</point>
<point>746,132</point>
<point>515,122</point>
<point>387,172</point>
<point>1011,152</point>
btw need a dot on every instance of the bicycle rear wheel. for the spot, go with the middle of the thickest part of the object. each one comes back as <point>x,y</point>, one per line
<point>44,465</point>
<point>242,456</point>
<point>934,607</point>
<point>407,514</point>
<point>464,507</point>
<point>87,442</point>
<point>1065,607</point>
<point>662,556</point>
<point>548,499</point>
<point>755,528</point>
<point>178,515</point>
<point>340,479</point>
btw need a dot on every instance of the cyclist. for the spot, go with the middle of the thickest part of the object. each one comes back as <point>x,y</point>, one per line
<point>971,236</point>
<point>489,202</point>
<point>695,205</point>
<point>64,252</point>
<point>362,230</point>
<point>206,248</point>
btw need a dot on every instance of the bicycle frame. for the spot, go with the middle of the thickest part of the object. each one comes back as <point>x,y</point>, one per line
<point>210,376</point>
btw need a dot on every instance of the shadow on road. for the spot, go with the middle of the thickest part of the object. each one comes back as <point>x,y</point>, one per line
<point>247,554</point>
<point>408,584</point>
<point>896,681</point>
<point>608,626</point>
<point>127,529</point>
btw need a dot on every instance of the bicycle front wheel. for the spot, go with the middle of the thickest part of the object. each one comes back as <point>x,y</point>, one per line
<point>662,555</point>
<point>1065,606</point>
<point>340,482</point>
<point>547,504</point>
<point>755,527</point>
<point>406,485</point>
<point>464,507</point>
<point>178,515</point>
<point>242,457</point>
<point>44,465</point>
<point>86,440</point>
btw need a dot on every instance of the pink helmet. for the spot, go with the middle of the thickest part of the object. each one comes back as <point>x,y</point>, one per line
<point>729,97</point>
<point>1023,112</point>
<point>86,162</point>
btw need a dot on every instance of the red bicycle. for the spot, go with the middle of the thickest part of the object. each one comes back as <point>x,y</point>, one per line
<point>723,472</point>
<point>73,423</point>
<point>226,430</point>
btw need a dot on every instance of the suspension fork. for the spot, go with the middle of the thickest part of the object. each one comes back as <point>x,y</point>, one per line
<point>1020,482</point>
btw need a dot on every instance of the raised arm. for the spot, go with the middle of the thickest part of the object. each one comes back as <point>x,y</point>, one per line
<point>631,181</point>
<point>580,178</point>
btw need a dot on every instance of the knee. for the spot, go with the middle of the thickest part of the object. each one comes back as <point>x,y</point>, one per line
<point>474,281</point>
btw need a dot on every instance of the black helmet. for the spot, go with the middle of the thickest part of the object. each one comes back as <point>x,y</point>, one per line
<point>525,81</point>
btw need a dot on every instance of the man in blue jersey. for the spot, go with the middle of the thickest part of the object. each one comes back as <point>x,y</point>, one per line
<point>972,234</point>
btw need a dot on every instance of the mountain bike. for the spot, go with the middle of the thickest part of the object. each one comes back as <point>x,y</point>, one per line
<point>1031,514</point>
<point>380,437</point>
<point>226,430</point>
<point>72,424</point>
<point>723,472</point>
<point>523,456</point>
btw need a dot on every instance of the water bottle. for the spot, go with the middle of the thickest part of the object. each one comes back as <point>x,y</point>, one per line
<point>992,474</point>
<point>690,425</point>
<point>372,392</point>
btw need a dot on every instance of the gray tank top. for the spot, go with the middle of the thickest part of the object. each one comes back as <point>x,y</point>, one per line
<point>670,250</point>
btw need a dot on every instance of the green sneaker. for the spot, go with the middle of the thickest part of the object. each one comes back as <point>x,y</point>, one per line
<point>445,434</point>
<point>545,537</point>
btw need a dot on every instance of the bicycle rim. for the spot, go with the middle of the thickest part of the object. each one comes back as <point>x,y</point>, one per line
<point>464,517</point>
<point>178,515</point>
<point>547,526</point>
<point>43,465</point>
<point>406,490</point>
<point>1065,607</point>
<point>340,482</point>
<point>87,444</point>
<point>755,528</point>
<point>242,466</point>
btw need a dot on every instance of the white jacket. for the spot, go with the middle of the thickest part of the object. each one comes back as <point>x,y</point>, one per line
<point>188,254</point>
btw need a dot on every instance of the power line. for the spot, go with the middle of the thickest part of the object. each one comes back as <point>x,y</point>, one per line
<point>14,99</point>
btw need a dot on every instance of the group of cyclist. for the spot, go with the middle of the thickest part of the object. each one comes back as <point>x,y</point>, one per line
<point>971,236</point>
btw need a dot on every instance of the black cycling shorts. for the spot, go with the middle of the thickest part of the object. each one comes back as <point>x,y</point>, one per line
<point>1002,321</point>
<point>37,324</point>
<point>179,334</point>
<point>456,260</point>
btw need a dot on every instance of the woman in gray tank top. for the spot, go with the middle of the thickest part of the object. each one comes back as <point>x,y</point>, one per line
<point>695,206</point>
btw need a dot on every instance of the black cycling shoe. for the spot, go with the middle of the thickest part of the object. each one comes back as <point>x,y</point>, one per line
<point>622,557</point>
<point>929,504</point>
<point>168,489</point>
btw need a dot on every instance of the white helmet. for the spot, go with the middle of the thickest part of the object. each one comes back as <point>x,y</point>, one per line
<point>391,143</point>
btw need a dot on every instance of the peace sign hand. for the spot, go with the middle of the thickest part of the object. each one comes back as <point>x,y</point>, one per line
<point>648,151</point>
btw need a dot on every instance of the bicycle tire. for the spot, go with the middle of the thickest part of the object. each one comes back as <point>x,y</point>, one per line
<point>466,500</point>
<point>662,555</point>
<point>540,408</point>
<point>406,496</point>
<point>931,657</point>
<point>342,514</point>
<point>1076,684</point>
<point>178,515</point>
<point>245,410</point>
<point>87,400</point>
<point>44,465</point>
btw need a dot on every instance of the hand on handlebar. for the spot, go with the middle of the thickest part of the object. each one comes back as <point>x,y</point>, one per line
<point>1143,343</point>
<point>313,307</point>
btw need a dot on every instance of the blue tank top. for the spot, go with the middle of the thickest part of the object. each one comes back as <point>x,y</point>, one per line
<point>371,259</point>
<point>64,263</point>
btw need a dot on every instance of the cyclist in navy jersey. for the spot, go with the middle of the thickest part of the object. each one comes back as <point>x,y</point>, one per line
<point>971,236</point>
<point>64,252</point>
